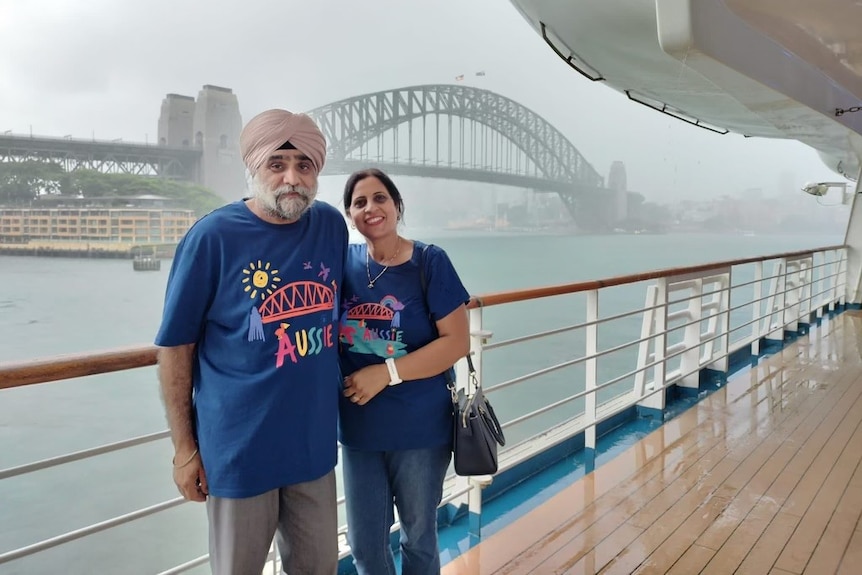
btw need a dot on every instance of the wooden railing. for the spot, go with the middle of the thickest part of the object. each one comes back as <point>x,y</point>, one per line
<point>79,365</point>
<point>678,301</point>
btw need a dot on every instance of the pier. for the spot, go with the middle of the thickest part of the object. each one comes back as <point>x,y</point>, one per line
<point>72,249</point>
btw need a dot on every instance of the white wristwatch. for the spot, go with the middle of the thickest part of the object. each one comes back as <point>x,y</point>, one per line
<point>394,378</point>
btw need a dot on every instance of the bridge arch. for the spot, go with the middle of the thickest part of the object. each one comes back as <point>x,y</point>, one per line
<point>296,299</point>
<point>371,311</point>
<point>554,162</point>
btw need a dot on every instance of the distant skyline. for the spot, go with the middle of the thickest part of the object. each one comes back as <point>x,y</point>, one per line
<point>103,67</point>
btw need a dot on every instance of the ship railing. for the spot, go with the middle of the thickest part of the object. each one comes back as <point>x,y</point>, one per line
<point>692,324</point>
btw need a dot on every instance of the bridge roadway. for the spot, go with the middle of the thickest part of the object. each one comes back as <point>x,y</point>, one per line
<point>104,155</point>
<point>432,169</point>
<point>184,163</point>
<point>179,162</point>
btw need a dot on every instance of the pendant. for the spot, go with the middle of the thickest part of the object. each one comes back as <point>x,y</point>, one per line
<point>370,285</point>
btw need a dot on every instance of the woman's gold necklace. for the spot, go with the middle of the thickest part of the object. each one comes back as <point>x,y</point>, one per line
<point>386,267</point>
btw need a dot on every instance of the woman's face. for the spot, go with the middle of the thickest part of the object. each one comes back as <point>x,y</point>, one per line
<point>372,209</point>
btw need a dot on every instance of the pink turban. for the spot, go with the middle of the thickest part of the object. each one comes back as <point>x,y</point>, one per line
<point>266,132</point>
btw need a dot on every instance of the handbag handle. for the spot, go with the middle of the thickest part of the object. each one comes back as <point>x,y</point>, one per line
<point>493,423</point>
<point>423,282</point>
<point>485,409</point>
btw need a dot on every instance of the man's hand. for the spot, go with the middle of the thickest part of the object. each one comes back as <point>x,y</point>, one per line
<point>190,477</point>
<point>175,378</point>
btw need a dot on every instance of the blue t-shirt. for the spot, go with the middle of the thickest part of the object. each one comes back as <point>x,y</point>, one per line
<point>261,302</point>
<point>390,320</point>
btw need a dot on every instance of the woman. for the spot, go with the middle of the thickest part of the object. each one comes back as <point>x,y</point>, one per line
<point>399,338</point>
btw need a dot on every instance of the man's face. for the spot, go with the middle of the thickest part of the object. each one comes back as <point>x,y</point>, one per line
<point>286,185</point>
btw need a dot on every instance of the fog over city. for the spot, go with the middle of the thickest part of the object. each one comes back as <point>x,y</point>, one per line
<point>101,69</point>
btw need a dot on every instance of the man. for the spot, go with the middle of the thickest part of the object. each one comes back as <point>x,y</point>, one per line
<point>248,361</point>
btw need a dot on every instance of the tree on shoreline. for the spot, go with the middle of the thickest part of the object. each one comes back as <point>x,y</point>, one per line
<point>24,183</point>
<point>20,182</point>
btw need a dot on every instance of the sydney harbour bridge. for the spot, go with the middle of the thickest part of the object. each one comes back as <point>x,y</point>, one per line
<point>435,131</point>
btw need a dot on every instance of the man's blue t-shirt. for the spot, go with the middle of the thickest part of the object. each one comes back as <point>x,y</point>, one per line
<point>260,300</point>
<point>390,320</point>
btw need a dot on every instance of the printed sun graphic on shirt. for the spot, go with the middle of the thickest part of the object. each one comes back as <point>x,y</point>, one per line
<point>302,297</point>
<point>382,336</point>
<point>260,279</point>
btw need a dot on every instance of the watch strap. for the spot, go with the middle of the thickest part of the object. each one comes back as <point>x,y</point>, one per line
<point>394,378</point>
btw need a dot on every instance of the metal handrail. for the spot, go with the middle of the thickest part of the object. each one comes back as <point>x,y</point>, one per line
<point>18,374</point>
<point>83,454</point>
<point>563,289</point>
<point>88,530</point>
<point>71,366</point>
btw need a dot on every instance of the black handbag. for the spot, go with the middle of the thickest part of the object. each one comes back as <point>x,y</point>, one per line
<point>477,430</point>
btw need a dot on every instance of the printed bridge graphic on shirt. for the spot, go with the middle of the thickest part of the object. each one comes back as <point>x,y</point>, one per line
<point>370,311</point>
<point>297,298</point>
<point>382,337</point>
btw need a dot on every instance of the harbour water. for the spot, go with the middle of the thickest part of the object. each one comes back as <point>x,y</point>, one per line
<point>51,306</point>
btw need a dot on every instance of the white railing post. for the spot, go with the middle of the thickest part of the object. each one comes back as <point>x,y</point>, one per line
<point>819,283</point>
<point>647,327</point>
<point>791,294</point>
<point>834,280</point>
<point>807,290</point>
<point>661,339</point>
<point>852,254</point>
<point>843,263</point>
<point>775,304</point>
<point>657,328</point>
<point>709,312</point>
<point>474,496</point>
<point>719,326</point>
<point>661,342</point>
<point>757,310</point>
<point>690,359</point>
<point>591,372</point>
<point>478,338</point>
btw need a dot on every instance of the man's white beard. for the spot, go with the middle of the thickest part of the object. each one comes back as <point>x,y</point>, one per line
<point>279,204</point>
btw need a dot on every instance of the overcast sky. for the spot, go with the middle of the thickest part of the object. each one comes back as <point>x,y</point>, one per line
<point>102,67</point>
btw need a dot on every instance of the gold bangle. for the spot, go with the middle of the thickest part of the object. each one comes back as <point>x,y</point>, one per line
<point>189,460</point>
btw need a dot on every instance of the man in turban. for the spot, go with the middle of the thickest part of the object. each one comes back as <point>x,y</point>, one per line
<point>278,135</point>
<point>248,360</point>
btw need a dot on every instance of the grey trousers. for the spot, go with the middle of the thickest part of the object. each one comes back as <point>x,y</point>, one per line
<point>303,516</point>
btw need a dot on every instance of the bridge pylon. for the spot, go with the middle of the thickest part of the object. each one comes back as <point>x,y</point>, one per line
<point>211,124</point>
<point>592,209</point>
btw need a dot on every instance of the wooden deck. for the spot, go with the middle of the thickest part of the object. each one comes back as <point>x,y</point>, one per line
<point>762,477</point>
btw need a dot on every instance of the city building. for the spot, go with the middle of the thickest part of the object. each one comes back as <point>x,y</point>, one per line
<point>127,221</point>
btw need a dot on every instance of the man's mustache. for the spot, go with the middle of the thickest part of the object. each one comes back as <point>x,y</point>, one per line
<point>287,189</point>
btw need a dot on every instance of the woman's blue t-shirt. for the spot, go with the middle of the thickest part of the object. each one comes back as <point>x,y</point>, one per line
<point>391,320</point>
<point>260,300</point>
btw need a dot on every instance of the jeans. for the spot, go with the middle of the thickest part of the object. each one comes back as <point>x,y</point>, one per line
<point>412,479</point>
